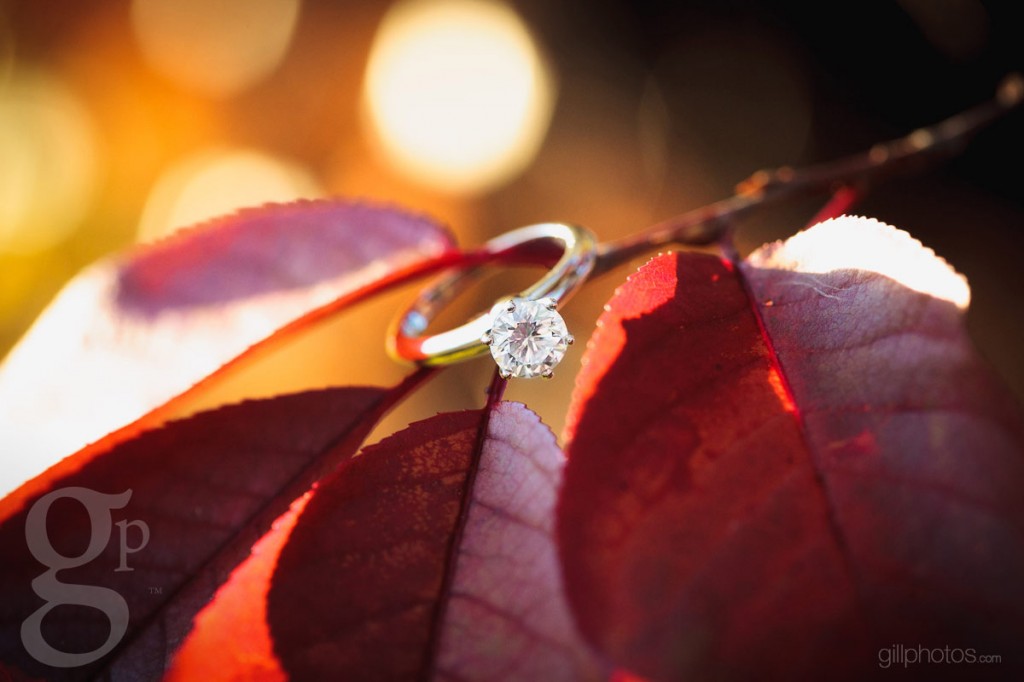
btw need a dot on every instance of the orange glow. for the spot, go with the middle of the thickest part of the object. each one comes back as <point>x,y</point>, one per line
<point>217,48</point>
<point>235,621</point>
<point>216,183</point>
<point>49,166</point>
<point>457,93</point>
<point>779,388</point>
<point>6,50</point>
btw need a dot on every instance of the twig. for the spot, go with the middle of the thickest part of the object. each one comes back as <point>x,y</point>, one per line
<point>496,391</point>
<point>705,226</point>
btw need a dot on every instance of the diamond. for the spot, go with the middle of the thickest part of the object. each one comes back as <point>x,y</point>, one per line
<point>527,338</point>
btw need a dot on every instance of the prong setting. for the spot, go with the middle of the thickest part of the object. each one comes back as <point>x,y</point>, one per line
<point>570,339</point>
<point>527,337</point>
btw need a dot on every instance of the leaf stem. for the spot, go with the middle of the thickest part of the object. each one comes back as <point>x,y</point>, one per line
<point>841,201</point>
<point>706,225</point>
<point>496,391</point>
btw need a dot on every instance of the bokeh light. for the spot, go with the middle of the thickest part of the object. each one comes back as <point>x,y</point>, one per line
<point>217,182</point>
<point>659,110</point>
<point>48,162</point>
<point>217,48</point>
<point>457,92</point>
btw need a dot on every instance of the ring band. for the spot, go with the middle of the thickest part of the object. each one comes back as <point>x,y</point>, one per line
<point>405,338</point>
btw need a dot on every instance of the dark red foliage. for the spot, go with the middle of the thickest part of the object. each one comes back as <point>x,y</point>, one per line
<point>429,556</point>
<point>776,474</point>
<point>206,487</point>
<point>780,469</point>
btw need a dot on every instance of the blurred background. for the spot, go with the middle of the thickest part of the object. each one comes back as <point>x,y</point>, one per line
<point>122,120</point>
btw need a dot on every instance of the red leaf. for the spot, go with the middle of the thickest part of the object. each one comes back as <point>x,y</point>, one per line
<point>230,638</point>
<point>388,575</point>
<point>132,332</point>
<point>206,488</point>
<point>783,489</point>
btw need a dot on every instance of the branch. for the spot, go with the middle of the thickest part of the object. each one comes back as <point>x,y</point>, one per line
<point>707,225</point>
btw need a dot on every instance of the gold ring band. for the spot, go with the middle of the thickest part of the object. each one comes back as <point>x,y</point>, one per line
<point>406,339</point>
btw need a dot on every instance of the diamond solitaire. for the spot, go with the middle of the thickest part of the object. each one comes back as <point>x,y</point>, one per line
<point>527,338</point>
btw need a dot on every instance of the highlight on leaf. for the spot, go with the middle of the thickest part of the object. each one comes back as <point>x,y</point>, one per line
<point>429,556</point>
<point>204,488</point>
<point>852,243</point>
<point>137,330</point>
<point>779,467</point>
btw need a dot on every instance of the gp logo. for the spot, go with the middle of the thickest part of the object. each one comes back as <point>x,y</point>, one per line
<point>56,593</point>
